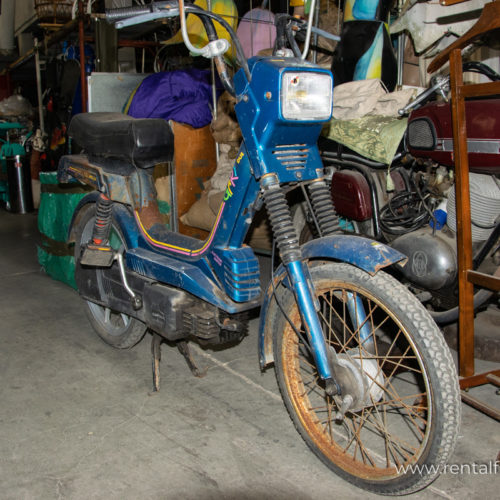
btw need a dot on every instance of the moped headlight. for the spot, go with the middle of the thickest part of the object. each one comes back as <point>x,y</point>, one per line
<point>306,96</point>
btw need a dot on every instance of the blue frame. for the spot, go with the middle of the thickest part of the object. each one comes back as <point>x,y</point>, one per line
<point>221,270</point>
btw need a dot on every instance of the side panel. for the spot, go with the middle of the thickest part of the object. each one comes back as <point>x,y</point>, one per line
<point>189,276</point>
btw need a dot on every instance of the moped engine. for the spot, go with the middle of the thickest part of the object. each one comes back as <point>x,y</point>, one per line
<point>432,257</point>
<point>207,325</point>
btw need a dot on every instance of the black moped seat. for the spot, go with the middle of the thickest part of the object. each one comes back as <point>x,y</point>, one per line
<point>143,142</point>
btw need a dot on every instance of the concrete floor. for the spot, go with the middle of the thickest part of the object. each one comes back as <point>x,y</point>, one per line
<point>76,420</point>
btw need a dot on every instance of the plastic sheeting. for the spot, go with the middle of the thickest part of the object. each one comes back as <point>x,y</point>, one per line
<point>430,22</point>
<point>57,204</point>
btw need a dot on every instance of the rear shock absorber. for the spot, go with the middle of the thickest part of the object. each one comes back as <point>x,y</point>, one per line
<point>281,219</point>
<point>102,224</point>
<point>98,252</point>
<point>323,207</point>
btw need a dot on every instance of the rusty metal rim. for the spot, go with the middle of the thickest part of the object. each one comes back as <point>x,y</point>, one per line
<point>309,420</point>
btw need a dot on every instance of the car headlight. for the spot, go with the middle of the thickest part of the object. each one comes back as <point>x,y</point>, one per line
<point>306,96</point>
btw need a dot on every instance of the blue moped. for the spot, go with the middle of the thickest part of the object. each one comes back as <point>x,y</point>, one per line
<point>362,368</point>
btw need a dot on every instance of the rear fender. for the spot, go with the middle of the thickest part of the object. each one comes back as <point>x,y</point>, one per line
<point>368,255</point>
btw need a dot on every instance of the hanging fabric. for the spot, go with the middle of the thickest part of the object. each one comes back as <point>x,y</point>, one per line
<point>256,31</point>
<point>365,49</point>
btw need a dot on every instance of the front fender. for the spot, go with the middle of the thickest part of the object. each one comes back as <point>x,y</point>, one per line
<point>368,255</point>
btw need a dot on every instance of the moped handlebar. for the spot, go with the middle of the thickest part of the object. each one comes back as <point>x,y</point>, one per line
<point>441,85</point>
<point>214,49</point>
<point>113,15</point>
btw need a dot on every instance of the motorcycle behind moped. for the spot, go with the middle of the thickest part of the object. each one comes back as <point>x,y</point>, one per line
<point>363,369</point>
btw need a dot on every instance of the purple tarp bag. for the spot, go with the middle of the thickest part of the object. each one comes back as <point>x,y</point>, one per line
<point>183,96</point>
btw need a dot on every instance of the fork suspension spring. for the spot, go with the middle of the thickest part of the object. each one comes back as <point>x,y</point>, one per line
<point>281,221</point>
<point>323,207</point>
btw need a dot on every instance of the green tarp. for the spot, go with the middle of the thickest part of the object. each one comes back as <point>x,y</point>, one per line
<point>57,204</point>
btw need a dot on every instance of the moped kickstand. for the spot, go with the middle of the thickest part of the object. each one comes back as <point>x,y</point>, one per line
<point>156,359</point>
<point>183,348</point>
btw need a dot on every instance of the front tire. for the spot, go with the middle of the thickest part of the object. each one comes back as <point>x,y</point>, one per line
<point>116,329</point>
<point>412,412</point>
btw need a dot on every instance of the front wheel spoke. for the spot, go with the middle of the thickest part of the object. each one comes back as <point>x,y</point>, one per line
<point>329,404</point>
<point>314,389</point>
<point>394,396</point>
<point>310,386</point>
<point>344,325</point>
<point>351,334</point>
<point>390,451</point>
<point>383,422</point>
<point>362,449</point>
<point>397,365</point>
<point>381,365</point>
<point>369,316</point>
<point>372,324</point>
<point>392,402</point>
<point>410,412</point>
<point>318,409</point>
<point>397,441</point>
<point>107,315</point>
<point>358,429</point>
<point>377,327</point>
<point>328,324</point>
<point>382,432</point>
<point>307,363</point>
<point>396,337</point>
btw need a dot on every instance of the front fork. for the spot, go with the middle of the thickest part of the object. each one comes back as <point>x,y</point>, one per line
<point>308,307</point>
<point>281,222</point>
<point>291,255</point>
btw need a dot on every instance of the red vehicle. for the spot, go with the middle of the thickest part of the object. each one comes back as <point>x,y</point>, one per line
<point>430,134</point>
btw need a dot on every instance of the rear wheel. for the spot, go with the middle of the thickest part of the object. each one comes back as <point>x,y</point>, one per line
<point>116,329</point>
<point>402,377</point>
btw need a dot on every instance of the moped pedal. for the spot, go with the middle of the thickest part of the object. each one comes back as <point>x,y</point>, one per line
<point>183,347</point>
<point>97,255</point>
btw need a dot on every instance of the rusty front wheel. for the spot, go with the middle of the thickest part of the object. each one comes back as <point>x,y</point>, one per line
<point>407,408</point>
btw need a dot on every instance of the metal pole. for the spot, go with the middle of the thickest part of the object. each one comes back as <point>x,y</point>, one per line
<point>83,79</point>
<point>39,87</point>
<point>315,36</point>
<point>214,92</point>
<point>401,57</point>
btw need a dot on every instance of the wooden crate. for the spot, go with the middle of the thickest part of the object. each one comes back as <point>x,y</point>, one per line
<point>195,162</point>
